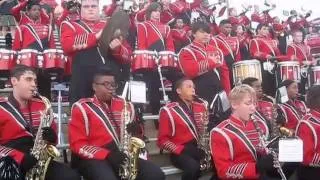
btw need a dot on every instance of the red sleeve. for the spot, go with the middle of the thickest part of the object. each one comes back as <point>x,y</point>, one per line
<point>15,154</point>
<point>63,17</point>
<point>52,44</point>
<point>140,16</point>
<point>45,18</point>
<point>191,67</point>
<point>291,53</point>
<point>169,41</point>
<point>141,36</point>
<point>17,42</point>
<point>165,134</point>
<point>255,50</point>
<point>79,142</point>
<point>226,168</point>
<point>72,41</point>
<point>255,18</point>
<point>123,53</point>
<point>15,11</point>
<point>306,135</point>
<point>179,36</point>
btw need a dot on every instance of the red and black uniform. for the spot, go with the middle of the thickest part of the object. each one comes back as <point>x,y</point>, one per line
<point>94,134</point>
<point>296,23</point>
<point>195,64</point>
<point>234,148</point>
<point>230,48</point>
<point>244,41</point>
<point>239,20</point>
<point>78,40</point>
<point>19,127</point>
<point>181,37</point>
<point>179,128</point>
<point>166,16</point>
<point>22,18</point>
<point>293,111</point>
<point>308,130</point>
<point>178,7</point>
<point>155,36</point>
<point>67,16</point>
<point>300,52</point>
<point>261,18</point>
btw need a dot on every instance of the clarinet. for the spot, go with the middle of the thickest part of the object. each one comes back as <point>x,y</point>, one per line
<point>263,144</point>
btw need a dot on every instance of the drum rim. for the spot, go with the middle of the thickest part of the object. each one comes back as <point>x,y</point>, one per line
<point>315,68</point>
<point>7,50</point>
<point>166,52</point>
<point>251,61</point>
<point>143,52</point>
<point>52,50</point>
<point>289,63</point>
<point>29,50</point>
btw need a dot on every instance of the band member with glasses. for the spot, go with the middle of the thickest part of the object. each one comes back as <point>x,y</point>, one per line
<point>308,129</point>
<point>95,133</point>
<point>20,119</point>
<point>235,142</point>
<point>180,125</point>
<point>79,40</point>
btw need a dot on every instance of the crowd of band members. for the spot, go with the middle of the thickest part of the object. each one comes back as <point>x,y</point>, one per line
<point>206,54</point>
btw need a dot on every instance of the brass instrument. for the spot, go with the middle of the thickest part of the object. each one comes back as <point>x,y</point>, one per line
<point>204,138</point>
<point>131,146</point>
<point>264,145</point>
<point>42,151</point>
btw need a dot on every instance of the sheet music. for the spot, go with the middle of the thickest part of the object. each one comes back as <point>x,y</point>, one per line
<point>290,150</point>
<point>138,91</point>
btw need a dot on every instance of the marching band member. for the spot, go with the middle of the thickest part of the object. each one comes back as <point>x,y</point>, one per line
<point>152,35</point>
<point>79,40</point>
<point>71,12</point>
<point>29,16</point>
<point>294,109</point>
<point>308,130</point>
<point>235,145</point>
<point>244,38</point>
<point>20,119</point>
<point>95,133</point>
<point>35,34</point>
<point>236,19</point>
<point>199,61</point>
<point>179,127</point>
<point>262,47</point>
<point>181,34</point>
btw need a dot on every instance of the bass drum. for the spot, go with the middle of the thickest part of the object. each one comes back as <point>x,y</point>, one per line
<point>289,70</point>
<point>245,69</point>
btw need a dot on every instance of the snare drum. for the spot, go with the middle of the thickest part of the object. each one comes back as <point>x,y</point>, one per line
<point>28,57</point>
<point>168,59</point>
<point>245,69</point>
<point>143,60</point>
<point>314,78</point>
<point>289,70</point>
<point>53,59</point>
<point>7,59</point>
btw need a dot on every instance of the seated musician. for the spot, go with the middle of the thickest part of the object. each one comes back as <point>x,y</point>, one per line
<point>235,143</point>
<point>308,130</point>
<point>263,47</point>
<point>20,120</point>
<point>98,129</point>
<point>180,126</point>
<point>294,109</point>
<point>36,35</point>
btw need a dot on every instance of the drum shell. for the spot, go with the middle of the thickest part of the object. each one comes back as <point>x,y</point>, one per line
<point>314,77</point>
<point>28,57</point>
<point>246,68</point>
<point>54,59</point>
<point>143,60</point>
<point>289,70</point>
<point>7,59</point>
<point>168,59</point>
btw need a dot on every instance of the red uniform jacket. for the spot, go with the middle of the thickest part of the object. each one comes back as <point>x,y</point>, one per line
<point>233,147</point>
<point>239,20</point>
<point>66,16</point>
<point>178,127</point>
<point>263,18</point>
<point>181,37</point>
<point>154,36</point>
<point>33,36</point>
<point>16,123</point>
<point>308,130</point>
<point>300,52</point>
<point>166,16</point>
<point>194,61</point>
<point>296,24</point>
<point>22,18</point>
<point>178,7</point>
<point>80,35</point>
<point>94,125</point>
<point>261,47</point>
<point>293,112</point>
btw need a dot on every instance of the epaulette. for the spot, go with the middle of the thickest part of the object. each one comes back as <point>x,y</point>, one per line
<point>172,104</point>
<point>84,100</point>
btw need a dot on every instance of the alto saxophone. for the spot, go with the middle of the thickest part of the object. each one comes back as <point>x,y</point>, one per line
<point>42,151</point>
<point>131,146</point>
<point>204,138</point>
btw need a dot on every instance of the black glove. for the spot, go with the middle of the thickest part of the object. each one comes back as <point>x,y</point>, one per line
<point>202,153</point>
<point>28,162</point>
<point>264,163</point>
<point>116,158</point>
<point>9,169</point>
<point>48,134</point>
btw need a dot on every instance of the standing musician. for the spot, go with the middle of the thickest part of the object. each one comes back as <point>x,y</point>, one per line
<point>264,48</point>
<point>71,12</point>
<point>28,16</point>
<point>235,145</point>
<point>244,38</point>
<point>20,119</point>
<point>79,40</point>
<point>181,34</point>
<point>95,133</point>
<point>180,129</point>
<point>294,109</point>
<point>37,35</point>
<point>308,130</point>
<point>199,60</point>
<point>152,35</point>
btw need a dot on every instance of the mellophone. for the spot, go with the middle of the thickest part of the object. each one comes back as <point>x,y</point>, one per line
<point>52,60</point>
<point>286,70</point>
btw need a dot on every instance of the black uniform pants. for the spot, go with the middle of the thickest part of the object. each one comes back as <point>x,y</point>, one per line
<point>188,164</point>
<point>308,173</point>
<point>102,170</point>
<point>59,171</point>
